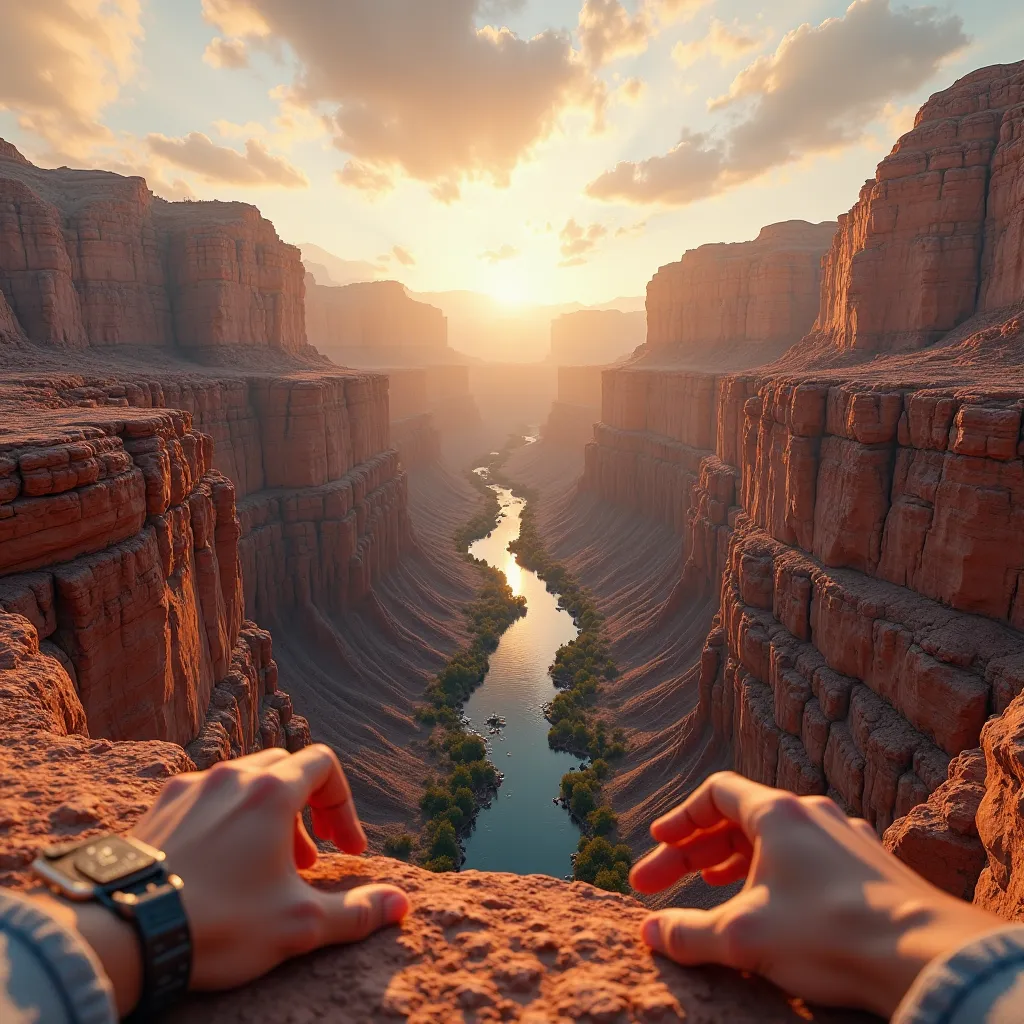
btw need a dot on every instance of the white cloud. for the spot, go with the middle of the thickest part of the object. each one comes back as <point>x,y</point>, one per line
<point>257,167</point>
<point>227,53</point>
<point>62,62</point>
<point>726,42</point>
<point>817,92</point>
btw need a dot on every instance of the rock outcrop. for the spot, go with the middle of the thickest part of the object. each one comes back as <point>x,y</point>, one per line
<point>93,259</point>
<point>595,337</point>
<point>760,295</point>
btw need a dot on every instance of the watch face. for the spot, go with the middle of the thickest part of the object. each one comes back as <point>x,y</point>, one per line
<point>110,858</point>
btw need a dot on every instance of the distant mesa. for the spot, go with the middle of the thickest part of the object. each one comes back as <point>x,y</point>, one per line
<point>375,324</point>
<point>596,336</point>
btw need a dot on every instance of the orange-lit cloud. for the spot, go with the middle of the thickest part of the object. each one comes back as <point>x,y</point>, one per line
<point>257,167</point>
<point>817,92</point>
<point>578,242</point>
<point>417,88</point>
<point>403,256</point>
<point>227,53</point>
<point>500,255</point>
<point>726,42</point>
<point>633,90</point>
<point>62,62</point>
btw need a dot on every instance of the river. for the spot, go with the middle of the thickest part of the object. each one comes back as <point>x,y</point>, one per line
<point>522,832</point>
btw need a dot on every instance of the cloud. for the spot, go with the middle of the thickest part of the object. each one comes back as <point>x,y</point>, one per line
<point>608,32</point>
<point>62,62</point>
<point>631,229</point>
<point>367,179</point>
<point>726,42</point>
<point>578,241</point>
<point>417,88</point>
<point>505,252</point>
<point>256,168</point>
<point>669,11</point>
<point>227,53</point>
<point>633,90</point>
<point>818,92</point>
<point>403,256</point>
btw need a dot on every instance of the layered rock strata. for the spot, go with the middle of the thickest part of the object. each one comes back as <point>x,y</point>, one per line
<point>762,294</point>
<point>93,259</point>
<point>595,337</point>
<point>120,582</point>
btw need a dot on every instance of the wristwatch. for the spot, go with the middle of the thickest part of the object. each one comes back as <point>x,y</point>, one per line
<point>130,879</point>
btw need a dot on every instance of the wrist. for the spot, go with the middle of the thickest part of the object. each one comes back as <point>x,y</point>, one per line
<point>113,940</point>
<point>925,933</point>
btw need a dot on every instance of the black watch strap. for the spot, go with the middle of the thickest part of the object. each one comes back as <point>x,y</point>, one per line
<point>152,904</point>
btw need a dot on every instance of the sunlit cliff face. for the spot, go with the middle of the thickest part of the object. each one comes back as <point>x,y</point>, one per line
<point>536,151</point>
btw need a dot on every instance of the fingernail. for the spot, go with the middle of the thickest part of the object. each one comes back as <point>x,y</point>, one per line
<point>651,933</point>
<point>396,906</point>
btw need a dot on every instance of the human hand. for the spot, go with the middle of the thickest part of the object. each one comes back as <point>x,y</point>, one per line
<point>235,836</point>
<point>826,913</point>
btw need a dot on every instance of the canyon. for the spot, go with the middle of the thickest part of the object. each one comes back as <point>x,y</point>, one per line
<point>798,507</point>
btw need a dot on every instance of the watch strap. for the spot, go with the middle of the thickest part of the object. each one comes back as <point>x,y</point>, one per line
<point>153,906</point>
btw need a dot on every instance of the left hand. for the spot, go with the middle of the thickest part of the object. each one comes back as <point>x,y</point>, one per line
<point>235,836</point>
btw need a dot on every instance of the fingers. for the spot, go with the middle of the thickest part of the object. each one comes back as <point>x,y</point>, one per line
<point>725,796</point>
<point>865,829</point>
<point>735,869</point>
<point>689,937</point>
<point>354,915</point>
<point>702,850</point>
<point>306,853</point>
<point>316,778</point>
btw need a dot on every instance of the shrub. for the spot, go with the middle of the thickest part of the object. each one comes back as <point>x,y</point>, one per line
<point>602,821</point>
<point>399,847</point>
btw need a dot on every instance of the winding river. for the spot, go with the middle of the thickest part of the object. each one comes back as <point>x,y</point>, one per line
<point>522,832</point>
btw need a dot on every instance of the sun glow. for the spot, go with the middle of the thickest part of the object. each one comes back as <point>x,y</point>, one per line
<point>509,287</point>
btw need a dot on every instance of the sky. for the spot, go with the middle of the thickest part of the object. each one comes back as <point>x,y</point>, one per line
<point>540,151</point>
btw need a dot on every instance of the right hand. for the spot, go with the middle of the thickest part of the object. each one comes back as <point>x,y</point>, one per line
<point>826,913</point>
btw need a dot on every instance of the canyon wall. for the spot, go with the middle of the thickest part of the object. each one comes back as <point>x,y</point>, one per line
<point>93,259</point>
<point>595,337</point>
<point>762,294</point>
<point>577,407</point>
<point>860,527</point>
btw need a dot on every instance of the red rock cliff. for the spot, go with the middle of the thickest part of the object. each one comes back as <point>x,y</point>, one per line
<point>761,294</point>
<point>936,235</point>
<point>91,259</point>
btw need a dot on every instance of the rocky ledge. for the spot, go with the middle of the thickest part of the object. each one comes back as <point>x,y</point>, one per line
<point>486,947</point>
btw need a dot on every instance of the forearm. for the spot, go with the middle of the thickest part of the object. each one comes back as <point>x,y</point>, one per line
<point>112,940</point>
<point>982,982</point>
<point>48,971</point>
